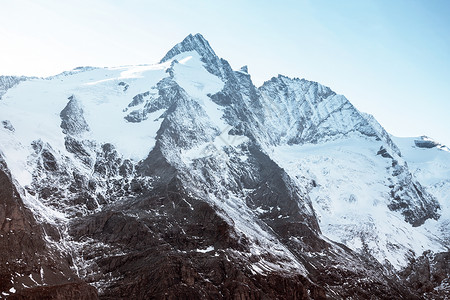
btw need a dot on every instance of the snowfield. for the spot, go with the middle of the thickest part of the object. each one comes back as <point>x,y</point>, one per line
<point>349,186</point>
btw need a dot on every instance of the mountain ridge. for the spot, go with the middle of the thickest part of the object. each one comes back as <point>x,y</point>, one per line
<point>226,175</point>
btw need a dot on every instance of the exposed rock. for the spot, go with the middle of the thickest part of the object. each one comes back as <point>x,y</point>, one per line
<point>383,152</point>
<point>430,275</point>
<point>125,85</point>
<point>136,116</point>
<point>27,259</point>
<point>410,198</point>
<point>426,142</point>
<point>198,43</point>
<point>72,119</point>
<point>79,149</point>
<point>7,125</point>
<point>139,99</point>
<point>244,69</point>
<point>68,291</point>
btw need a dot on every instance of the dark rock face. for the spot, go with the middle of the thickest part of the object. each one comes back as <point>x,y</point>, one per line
<point>426,143</point>
<point>244,69</point>
<point>7,82</point>
<point>166,257</point>
<point>403,201</point>
<point>125,85</point>
<point>430,275</point>
<point>27,258</point>
<point>72,120</point>
<point>407,195</point>
<point>169,93</point>
<point>79,148</point>
<point>410,198</point>
<point>138,99</point>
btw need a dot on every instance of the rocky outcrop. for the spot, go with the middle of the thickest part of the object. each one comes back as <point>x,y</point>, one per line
<point>429,274</point>
<point>197,43</point>
<point>75,291</point>
<point>428,143</point>
<point>7,125</point>
<point>167,245</point>
<point>72,119</point>
<point>28,260</point>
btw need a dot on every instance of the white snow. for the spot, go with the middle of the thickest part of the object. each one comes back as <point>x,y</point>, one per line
<point>190,74</point>
<point>216,147</point>
<point>351,197</point>
<point>233,209</point>
<point>198,83</point>
<point>34,107</point>
<point>432,168</point>
<point>32,279</point>
<point>41,211</point>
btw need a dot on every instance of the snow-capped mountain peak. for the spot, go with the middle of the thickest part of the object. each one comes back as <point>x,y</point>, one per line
<point>200,45</point>
<point>191,43</point>
<point>186,169</point>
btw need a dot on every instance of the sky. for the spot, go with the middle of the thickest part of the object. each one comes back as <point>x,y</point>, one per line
<point>389,58</point>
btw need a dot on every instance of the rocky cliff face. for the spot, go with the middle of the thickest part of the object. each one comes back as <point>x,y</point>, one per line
<point>183,180</point>
<point>33,252</point>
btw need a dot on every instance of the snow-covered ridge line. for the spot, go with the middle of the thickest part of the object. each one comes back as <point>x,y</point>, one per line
<point>188,158</point>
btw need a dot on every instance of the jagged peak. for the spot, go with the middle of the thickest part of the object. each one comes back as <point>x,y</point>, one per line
<point>198,43</point>
<point>244,69</point>
<point>191,43</point>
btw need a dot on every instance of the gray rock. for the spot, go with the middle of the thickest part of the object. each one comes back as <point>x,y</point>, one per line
<point>72,119</point>
<point>7,125</point>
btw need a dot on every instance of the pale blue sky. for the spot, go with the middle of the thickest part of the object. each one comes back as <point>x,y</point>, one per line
<point>389,58</point>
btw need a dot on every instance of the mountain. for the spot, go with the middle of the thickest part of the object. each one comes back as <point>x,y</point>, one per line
<point>7,82</point>
<point>183,180</point>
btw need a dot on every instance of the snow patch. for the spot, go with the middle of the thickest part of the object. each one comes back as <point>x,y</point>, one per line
<point>209,249</point>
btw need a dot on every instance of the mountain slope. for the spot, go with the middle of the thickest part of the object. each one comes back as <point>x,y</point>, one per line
<point>7,82</point>
<point>183,179</point>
